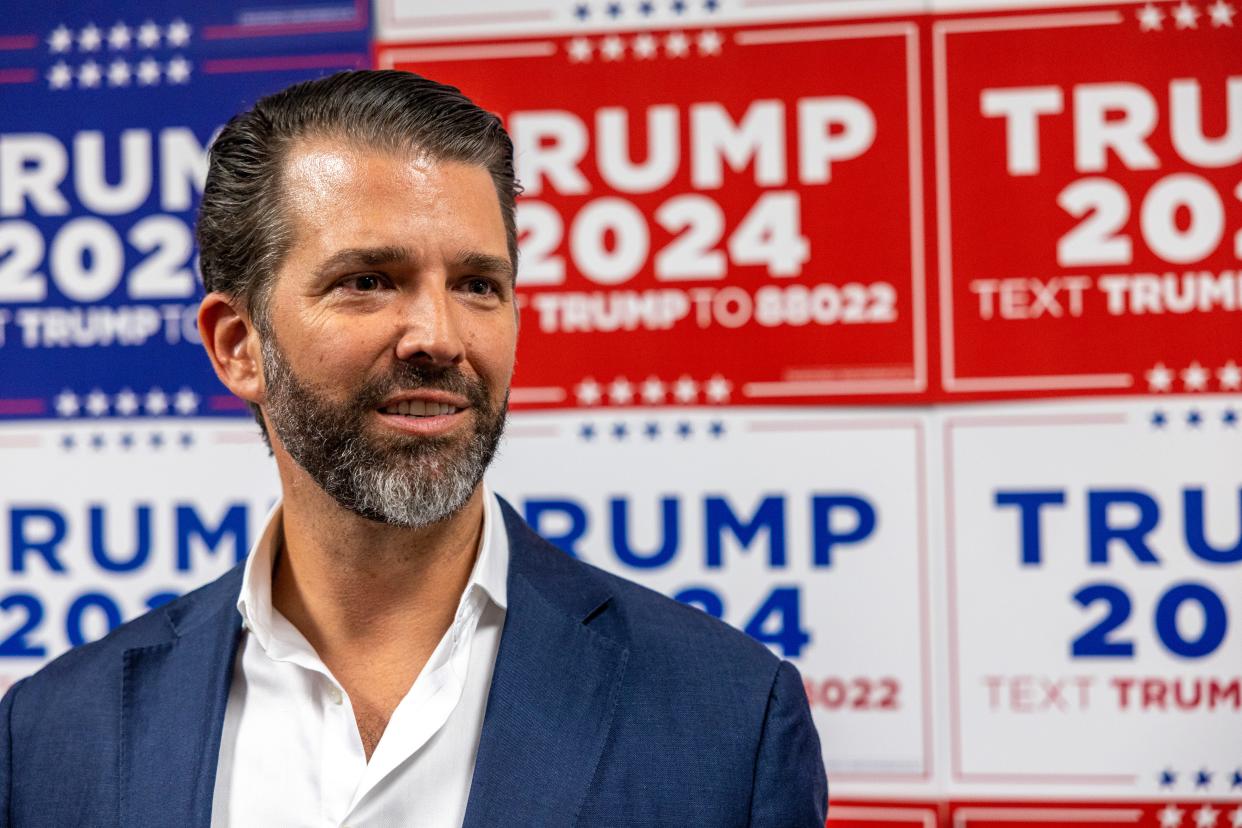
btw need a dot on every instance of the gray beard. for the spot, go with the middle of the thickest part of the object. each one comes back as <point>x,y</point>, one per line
<point>398,480</point>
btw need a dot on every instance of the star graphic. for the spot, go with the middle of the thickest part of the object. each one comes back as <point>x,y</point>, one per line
<point>646,8</point>
<point>60,76</point>
<point>614,10</point>
<point>587,432</point>
<point>582,11</point>
<point>652,430</point>
<point>1221,13</point>
<point>1230,376</point>
<point>718,389</point>
<point>118,73</point>
<point>1193,419</point>
<point>653,391</point>
<point>644,47</point>
<point>66,403</point>
<point>1158,419</point>
<point>1167,777</point>
<point>588,392</point>
<point>1230,419</point>
<point>186,402</point>
<point>717,428</point>
<point>157,440</point>
<point>1205,816</point>
<point>621,392</point>
<point>126,402</point>
<point>67,442</point>
<point>1195,377</point>
<point>89,75</point>
<point>148,35</point>
<point>118,36</point>
<point>60,40</point>
<point>97,441</point>
<point>186,439</point>
<point>676,45</point>
<point>178,70</point>
<point>1150,18</point>
<point>613,48</point>
<point>96,403</point>
<point>1186,16</point>
<point>619,431</point>
<point>178,32</point>
<point>686,390</point>
<point>156,402</point>
<point>709,42</point>
<point>1236,817</point>
<point>711,5</point>
<point>1237,775</point>
<point>684,430</point>
<point>1203,778</point>
<point>89,38</point>
<point>127,440</point>
<point>148,72</point>
<point>1170,816</point>
<point>678,6</point>
<point>1159,378</point>
<point>579,50</point>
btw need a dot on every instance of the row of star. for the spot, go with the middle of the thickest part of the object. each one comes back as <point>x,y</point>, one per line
<point>1194,418</point>
<point>146,72</point>
<point>645,8</point>
<point>125,440</point>
<point>651,430</point>
<point>1205,816</point>
<point>91,38</point>
<point>1194,377</point>
<point>653,391</point>
<point>1203,778</point>
<point>1185,16</point>
<point>645,46</point>
<point>126,403</point>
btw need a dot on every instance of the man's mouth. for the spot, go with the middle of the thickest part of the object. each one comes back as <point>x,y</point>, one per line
<point>419,408</point>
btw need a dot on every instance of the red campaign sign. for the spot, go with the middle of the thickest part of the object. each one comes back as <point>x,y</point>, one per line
<point>724,215</point>
<point>1089,191</point>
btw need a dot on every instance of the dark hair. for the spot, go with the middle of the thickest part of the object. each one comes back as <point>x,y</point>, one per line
<point>243,234</point>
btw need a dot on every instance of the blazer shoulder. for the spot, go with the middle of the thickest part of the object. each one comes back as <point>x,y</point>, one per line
<point>95,660</point>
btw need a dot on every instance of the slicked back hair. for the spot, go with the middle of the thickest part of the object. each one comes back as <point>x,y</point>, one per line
<point>243,232</point>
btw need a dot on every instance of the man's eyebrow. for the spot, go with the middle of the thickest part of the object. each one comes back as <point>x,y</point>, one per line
<point>485,264</point>
<point>363,257</point>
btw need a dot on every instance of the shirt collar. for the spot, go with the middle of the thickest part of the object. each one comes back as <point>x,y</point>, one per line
<point>271,630</point>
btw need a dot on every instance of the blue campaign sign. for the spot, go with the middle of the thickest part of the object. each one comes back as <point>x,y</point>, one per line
<point>108,109</point>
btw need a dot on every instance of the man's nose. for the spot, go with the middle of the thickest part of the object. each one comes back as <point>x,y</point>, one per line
<point>429,330</point>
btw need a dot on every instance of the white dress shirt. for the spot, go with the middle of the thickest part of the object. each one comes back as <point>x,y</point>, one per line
<point>290,753</point>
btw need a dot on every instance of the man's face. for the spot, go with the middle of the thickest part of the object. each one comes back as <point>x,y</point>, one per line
<point>392,329</point>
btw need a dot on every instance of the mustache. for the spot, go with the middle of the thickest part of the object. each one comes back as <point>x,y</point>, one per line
<point>414,376</point>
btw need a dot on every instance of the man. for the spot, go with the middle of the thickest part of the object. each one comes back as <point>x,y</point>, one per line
<point>399,649</point>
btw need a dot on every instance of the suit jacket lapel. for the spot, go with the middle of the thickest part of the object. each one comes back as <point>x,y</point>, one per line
<point>554,690</point>
<point>172,711</point>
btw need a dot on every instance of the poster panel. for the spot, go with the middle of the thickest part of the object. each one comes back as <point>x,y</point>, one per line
<point>688,242</point>
<point>1089,199</point>
<point>806,529</point>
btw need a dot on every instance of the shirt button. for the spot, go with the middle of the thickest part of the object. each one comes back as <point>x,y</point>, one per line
<point>334,694</point>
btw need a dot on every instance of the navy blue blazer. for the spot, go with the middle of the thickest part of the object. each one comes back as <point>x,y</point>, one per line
<point>610,705</point>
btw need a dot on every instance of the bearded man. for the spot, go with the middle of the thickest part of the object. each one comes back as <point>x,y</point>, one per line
<point>399,648</point>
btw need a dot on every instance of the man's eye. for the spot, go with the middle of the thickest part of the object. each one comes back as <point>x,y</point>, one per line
<point>481,287</point>
<point>363,284</point>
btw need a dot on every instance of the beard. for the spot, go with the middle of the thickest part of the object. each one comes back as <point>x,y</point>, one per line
<point>395,479</point>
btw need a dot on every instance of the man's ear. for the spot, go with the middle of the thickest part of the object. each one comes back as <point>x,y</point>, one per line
<point>232,342</point>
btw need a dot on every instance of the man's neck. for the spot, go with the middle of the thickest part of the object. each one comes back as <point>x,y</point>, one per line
<point>357,589</point>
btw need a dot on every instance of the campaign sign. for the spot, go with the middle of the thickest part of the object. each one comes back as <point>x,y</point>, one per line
<point>108,110</point>
<point>1093,598</point>
<point>817,549</point>
<point>102,522</point>
<point>686,241</point>
<point>1089,199</point>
